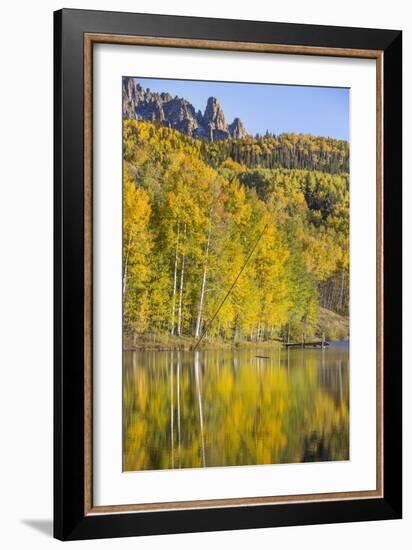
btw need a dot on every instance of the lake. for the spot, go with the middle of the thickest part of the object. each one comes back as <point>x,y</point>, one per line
<point>229,407</point>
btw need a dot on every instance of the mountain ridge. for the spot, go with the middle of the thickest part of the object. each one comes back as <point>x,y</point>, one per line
<point>178,113</point>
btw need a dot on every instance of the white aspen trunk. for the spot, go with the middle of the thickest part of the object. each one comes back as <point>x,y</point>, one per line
<point>203,288</point>
<point>182,277</point>
<point>126,261</point>
<point>341,291</point>
<point>258,332</point>
<point>172,330</point>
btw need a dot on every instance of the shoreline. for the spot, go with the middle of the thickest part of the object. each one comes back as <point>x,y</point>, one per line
<point>190,344</point>
<point>216,346</point>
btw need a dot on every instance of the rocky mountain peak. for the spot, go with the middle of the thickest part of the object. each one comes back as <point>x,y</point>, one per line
<point>236,129</point>
<point>178,113</point>
<point>214,114</point>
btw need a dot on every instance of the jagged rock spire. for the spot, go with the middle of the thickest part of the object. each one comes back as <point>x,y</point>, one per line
<point>178,113</point>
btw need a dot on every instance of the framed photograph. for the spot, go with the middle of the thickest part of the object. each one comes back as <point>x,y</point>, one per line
<point>227,272</point>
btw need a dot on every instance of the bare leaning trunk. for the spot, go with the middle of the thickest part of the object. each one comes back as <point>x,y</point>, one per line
<point>172,330</point>
<point>182,277</point>
<point>203,288</point>
<point>126,261</point>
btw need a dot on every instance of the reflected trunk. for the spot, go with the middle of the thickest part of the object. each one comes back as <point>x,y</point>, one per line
<point>172,453</point>
<point>199,400</point>
<point>178,406</point>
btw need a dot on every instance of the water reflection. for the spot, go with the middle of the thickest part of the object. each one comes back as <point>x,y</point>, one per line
<point>230,407</point>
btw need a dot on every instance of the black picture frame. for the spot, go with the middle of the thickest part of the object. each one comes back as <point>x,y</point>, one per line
<point>70,520</point>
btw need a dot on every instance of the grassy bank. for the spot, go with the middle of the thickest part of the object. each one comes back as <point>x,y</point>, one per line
<point>167,342</point>
<point>334,326</point>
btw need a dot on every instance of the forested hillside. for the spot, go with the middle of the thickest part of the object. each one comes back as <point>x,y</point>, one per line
<point>271,213</point>
<point>283,151</point>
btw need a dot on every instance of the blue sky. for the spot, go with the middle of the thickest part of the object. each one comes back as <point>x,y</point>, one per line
<point>277,108</point>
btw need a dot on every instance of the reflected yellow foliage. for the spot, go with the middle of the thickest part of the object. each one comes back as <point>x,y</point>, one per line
<point>227,408</point>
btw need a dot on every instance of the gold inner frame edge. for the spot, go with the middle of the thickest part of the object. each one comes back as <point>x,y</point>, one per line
<point>89,40</point>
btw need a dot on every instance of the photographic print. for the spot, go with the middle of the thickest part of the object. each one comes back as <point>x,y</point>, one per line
<point>227,269</point>
<point>235,274</point>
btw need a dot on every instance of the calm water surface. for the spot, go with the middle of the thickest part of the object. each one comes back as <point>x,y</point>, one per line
<point>230,407</point>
